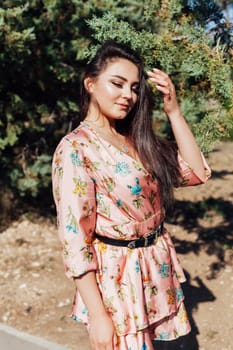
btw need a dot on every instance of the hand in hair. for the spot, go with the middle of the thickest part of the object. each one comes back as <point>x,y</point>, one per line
<point>164,84</point>
<point>187,145</point>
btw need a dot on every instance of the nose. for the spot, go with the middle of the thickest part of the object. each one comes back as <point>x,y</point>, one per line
<point>127,92</point>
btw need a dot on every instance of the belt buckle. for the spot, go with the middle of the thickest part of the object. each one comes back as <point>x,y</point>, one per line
<point>146,242</point>
<point>156,237</point>
<point>132,244</point>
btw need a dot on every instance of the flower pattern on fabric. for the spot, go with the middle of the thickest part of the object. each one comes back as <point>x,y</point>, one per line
<point>72,222</point>
<point>136,191</point>
<point>99,189</point>
<point>109,183</point>
<point>171,296</point>
<point>137,266</point>
<point>122,168</point>
<point>89,165</point>
<point>164,270</point>
<point>154,290</point>
<point>80,187</point>
<point>75,159</point>
<point>182,315</point>
<point>179,294</point>
<point>163,336</point>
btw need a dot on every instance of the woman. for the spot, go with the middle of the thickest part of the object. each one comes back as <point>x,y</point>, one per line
<point>113,180</point>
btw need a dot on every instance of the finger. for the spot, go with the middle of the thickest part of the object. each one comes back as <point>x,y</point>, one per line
<point>156,71</point>
<point>160,81</point>
<point>160,72</point>
<point>98,346</point>
<point>162,86</point>
<point>167,97</point>
<point>164,90</point>
<point>160,75</point>
<point>115,341</point>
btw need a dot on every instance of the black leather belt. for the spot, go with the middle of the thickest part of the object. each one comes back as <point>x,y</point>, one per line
<point>134,243</point>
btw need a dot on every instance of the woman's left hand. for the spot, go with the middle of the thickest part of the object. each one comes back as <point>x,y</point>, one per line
<point>164,84</point>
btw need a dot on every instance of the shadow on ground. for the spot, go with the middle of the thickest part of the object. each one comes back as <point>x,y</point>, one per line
<point>194,295</point>
<point>212,220</point>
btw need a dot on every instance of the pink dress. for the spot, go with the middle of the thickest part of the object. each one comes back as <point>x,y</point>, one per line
<point>99,188</point>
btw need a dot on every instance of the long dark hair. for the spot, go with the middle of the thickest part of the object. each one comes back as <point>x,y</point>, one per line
<point>158,155</point>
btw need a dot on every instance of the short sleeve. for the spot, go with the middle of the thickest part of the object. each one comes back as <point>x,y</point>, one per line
<point>74,195</point>
<point>188,176</point>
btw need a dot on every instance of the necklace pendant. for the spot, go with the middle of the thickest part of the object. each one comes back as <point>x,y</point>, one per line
<point>124,148</point>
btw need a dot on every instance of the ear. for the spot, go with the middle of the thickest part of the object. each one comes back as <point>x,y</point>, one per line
<point>89,84</point>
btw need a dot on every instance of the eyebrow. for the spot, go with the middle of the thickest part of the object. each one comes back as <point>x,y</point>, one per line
<point>123,78</point>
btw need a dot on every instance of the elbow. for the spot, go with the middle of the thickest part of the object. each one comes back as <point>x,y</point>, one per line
<point>203,174</point>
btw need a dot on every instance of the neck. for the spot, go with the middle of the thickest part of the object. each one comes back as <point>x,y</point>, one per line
<point>102,123</point>
<point>105,128</point>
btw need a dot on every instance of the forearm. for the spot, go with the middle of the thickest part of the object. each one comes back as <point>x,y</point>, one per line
<point>90,294</point>
<point>187,145</point>
<point>186,142</point>
<point>101,328</point>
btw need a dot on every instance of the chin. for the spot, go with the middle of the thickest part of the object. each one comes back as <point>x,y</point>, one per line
<point>117,117</point>
<point>123,116</point>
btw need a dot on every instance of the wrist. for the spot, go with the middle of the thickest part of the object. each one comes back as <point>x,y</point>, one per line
<point>175,114</point>
<point>97,315</point>
<point>98,312</point>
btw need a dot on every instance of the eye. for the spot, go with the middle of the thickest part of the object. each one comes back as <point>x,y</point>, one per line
<point>117,84</point>
<point>135,89</point>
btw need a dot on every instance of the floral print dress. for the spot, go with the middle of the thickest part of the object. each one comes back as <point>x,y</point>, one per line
<point>98,188</point>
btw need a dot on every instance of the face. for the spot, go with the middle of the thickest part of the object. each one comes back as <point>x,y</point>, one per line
<point>115,91</point>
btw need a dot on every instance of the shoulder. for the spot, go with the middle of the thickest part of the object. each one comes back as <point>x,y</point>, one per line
<point>77,136</point>
<point>76,140</point>
<point>73,152</point>
<point>72,147</point>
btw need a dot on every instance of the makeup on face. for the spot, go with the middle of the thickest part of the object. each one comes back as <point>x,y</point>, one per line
<point>115,91</point>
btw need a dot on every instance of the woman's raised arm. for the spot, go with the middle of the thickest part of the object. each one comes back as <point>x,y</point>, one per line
<point>187,145</point>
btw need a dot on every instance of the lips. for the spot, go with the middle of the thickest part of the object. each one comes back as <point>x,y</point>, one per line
<point>122,105</point>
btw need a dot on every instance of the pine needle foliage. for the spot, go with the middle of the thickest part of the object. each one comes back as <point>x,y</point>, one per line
<point>200,70</point>
<point>45,44</point>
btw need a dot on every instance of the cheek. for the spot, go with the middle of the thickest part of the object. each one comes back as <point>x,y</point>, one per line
<point>110,90</point>
<point>102,90</point>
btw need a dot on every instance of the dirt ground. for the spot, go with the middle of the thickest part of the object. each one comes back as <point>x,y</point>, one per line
<point>36,297</point>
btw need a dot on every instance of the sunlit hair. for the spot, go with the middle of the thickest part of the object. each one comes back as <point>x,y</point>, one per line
<point>159,156</point>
